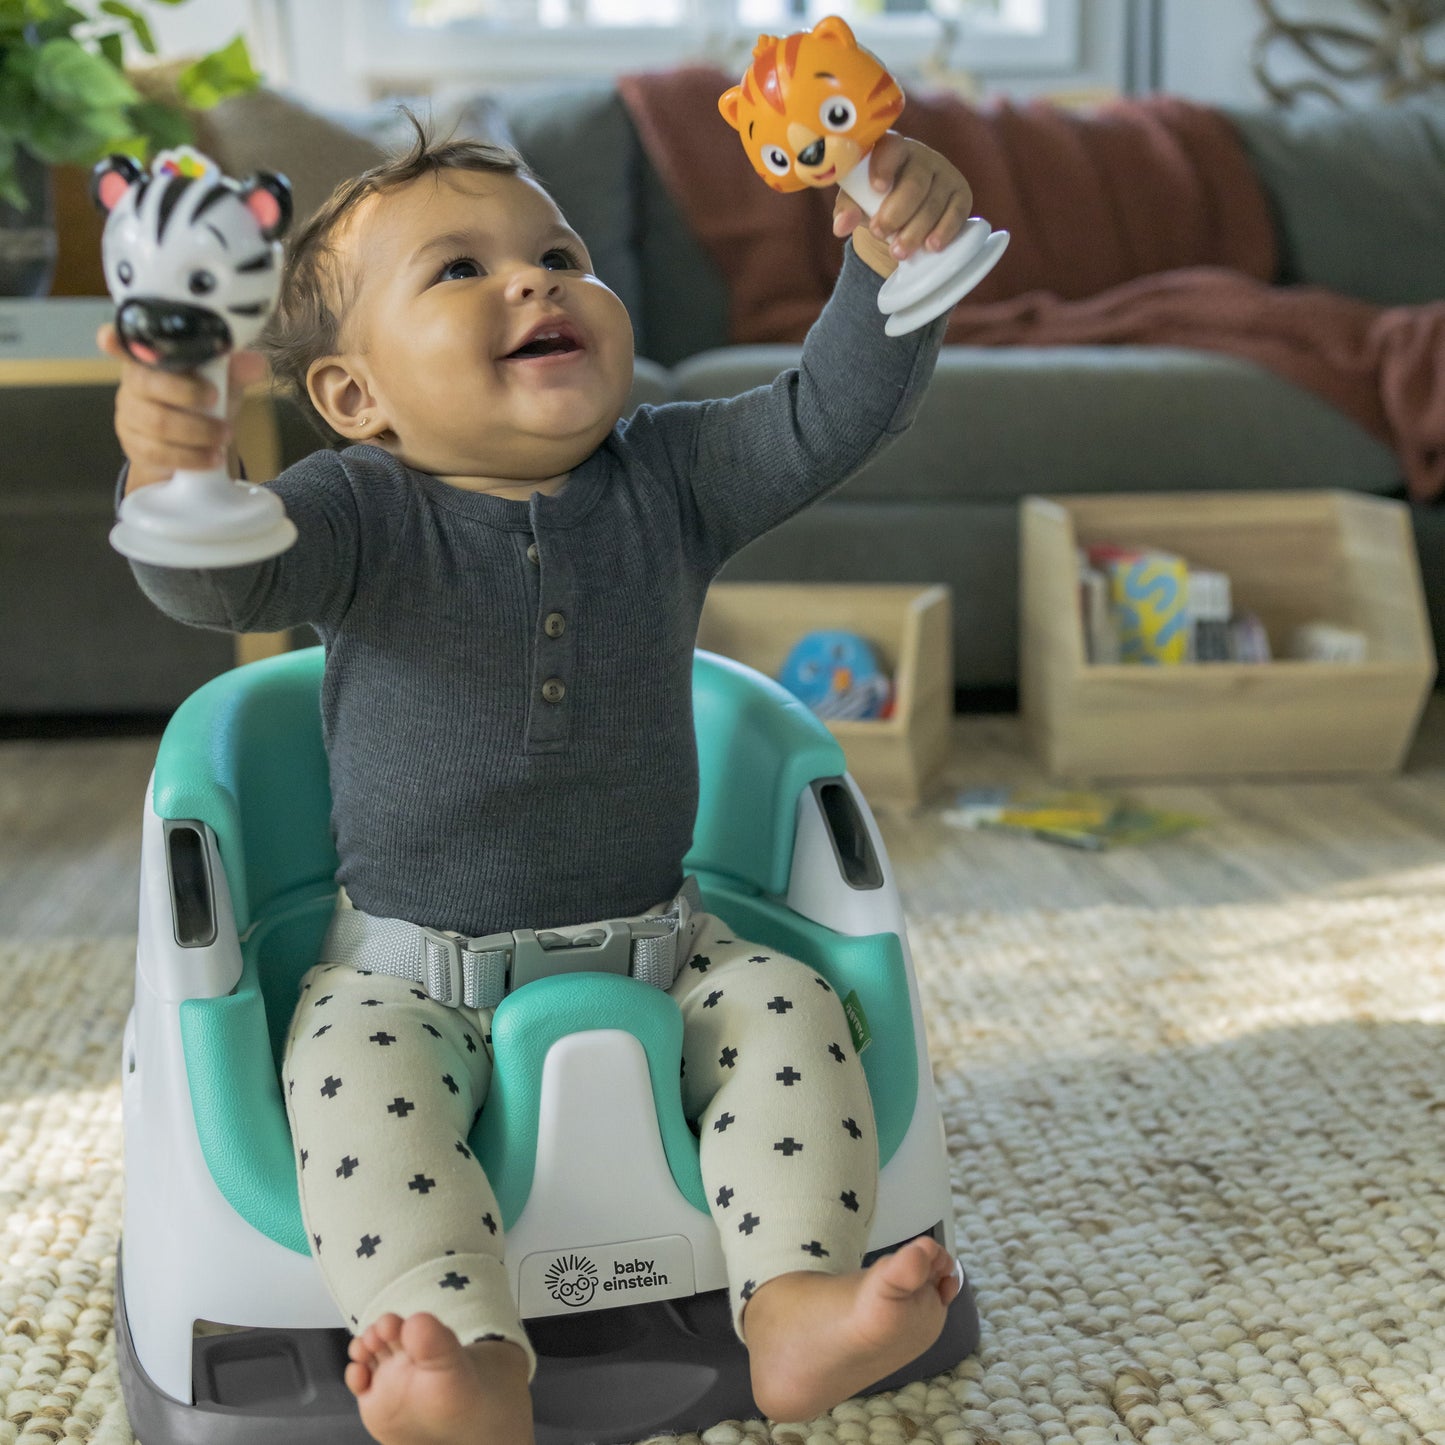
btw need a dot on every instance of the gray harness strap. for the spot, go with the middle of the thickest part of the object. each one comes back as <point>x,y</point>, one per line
<point>479,972</point>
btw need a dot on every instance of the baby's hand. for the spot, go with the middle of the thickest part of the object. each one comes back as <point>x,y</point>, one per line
<point>161,417</point>
<point>927,203</point>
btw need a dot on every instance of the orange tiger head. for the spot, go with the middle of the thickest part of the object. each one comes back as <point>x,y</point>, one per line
<point>811,106</point>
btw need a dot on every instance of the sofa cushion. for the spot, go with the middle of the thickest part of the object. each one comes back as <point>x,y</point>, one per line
<point>316,151</point>
<point>1000,424</point>
<point>684,296</point>
<point>1358,196</point>
<point>267,131</point>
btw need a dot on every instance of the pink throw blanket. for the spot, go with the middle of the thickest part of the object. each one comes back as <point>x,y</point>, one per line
<point>1139,224</point>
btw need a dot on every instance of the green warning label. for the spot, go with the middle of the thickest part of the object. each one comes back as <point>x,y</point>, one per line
<point>857,1022</point>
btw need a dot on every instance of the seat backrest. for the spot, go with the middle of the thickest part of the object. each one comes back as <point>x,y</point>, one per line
<point>244,754</point>
<point>758,748</point>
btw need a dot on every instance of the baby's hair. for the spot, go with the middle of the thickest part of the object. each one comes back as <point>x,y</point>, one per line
<point>315,292</point>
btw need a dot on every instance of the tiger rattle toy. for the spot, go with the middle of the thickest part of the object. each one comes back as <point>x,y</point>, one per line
<point>193,262</point>
<point>809,111</point>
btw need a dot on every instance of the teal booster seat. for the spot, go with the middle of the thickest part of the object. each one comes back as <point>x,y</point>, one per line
<point>226,1332</point>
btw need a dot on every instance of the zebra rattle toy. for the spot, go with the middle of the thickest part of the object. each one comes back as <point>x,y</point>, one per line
<point>193,260</point>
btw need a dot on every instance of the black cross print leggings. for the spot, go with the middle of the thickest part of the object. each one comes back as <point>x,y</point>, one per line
<point>383,1085</point>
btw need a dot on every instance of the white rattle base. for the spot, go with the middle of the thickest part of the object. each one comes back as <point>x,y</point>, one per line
<point>929,283</point>
<point>202,519</point>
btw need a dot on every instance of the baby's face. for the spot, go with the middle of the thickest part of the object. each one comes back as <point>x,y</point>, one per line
<point>488,346</point>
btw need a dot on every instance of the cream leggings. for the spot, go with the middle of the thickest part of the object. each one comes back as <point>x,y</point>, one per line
<point>383,1086</point>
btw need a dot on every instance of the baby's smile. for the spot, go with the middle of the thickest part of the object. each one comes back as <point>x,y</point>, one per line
<point>549,341</point>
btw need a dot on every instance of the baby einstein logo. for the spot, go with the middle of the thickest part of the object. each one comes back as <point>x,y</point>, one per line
<point>571,1280</point>
<point>605,1276</point>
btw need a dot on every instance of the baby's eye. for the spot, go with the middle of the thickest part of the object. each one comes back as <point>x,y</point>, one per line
<point>463,268</point>
<point>559,258</point>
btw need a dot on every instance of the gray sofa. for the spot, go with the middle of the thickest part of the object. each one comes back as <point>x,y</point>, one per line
<point>1359,201</point>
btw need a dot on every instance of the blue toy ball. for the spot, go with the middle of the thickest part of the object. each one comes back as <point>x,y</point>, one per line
<point>837,675</point>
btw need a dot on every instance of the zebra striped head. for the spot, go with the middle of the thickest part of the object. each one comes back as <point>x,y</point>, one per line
<point>192,258</point>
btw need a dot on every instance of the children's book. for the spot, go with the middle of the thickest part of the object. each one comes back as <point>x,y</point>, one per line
<point>1089,820</point>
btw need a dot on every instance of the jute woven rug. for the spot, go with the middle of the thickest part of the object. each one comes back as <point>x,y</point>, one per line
<point>1199,1161</point>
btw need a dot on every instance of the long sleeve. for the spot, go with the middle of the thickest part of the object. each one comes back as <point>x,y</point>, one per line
<point>749,462</point>
<point>312,582</point>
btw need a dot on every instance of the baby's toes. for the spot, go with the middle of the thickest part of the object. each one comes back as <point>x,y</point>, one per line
<point>358,1375</point>
<point>379,1340</point>
<point>950,1283</point>
<point>909,1269</point>
<point>427,1341</point>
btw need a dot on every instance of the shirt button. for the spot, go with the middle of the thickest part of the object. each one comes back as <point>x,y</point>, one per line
<point>554,624</point>
<point>532,555</point>
<point>554,689</point>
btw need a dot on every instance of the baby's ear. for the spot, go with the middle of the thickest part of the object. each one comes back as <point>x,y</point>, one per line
<point>342,398</point>
<point>111,179</point>
<point>268,198</point>
<point>728,103</point>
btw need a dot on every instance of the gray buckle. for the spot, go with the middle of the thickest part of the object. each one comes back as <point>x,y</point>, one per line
<point>602,948</point>
<point>442,952</point>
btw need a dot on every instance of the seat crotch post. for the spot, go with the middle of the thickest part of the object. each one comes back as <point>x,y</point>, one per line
<point>605,1223</point>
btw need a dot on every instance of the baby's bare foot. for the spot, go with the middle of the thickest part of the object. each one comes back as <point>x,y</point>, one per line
<point>816,1339</point>
<point>416,1385</point>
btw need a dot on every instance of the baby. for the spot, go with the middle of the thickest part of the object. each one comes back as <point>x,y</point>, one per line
<point>507,577</point>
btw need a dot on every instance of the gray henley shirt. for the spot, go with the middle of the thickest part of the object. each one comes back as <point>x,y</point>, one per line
<point>509,727</point>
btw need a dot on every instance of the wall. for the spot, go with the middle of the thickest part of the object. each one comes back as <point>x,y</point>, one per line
<point>1201,48</point>
<point>1204,49</point>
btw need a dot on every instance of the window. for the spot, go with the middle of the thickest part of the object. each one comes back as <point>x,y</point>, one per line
<point>427,43</point>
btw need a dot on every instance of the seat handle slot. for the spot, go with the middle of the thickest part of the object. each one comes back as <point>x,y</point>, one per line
<point>188,866</point>
<point>848,833</point>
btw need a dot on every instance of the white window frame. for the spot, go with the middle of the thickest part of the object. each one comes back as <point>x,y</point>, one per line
<point>381,54</point>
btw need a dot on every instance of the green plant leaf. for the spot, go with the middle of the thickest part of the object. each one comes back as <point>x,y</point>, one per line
<point>58,138</point>
<point>72,79</point>
<point>17,90</point>
<point>138,23</point>
<point>10,191</point>
<point>60,20</point>
<point>161,126</point>
<point>9,181</point>
<point>218,76</point>
<point>19,104</point>
<point>112,46</point>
